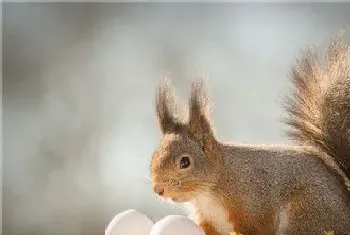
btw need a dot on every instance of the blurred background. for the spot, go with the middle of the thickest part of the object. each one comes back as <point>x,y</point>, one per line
<point>78,89</point>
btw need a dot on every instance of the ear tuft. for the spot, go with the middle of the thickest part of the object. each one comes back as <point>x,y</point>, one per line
<point>199,110</point>
<point>166,108</point>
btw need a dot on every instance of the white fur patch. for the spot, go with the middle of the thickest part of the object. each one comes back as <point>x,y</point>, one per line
<point>282,218</point>
<point>204,207</point>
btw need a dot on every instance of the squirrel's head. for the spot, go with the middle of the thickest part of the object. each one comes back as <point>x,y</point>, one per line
<point>187,160</point>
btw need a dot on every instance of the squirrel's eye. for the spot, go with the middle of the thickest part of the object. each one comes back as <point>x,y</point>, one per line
<point>184,162</point>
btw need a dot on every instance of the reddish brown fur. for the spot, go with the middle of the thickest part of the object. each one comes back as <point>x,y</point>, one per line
<point>208,228</point>
<point>314,104</point>
<point>259,189</point>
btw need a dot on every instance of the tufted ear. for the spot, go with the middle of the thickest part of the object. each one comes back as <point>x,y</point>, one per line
<point>166,108</point>
<point>199,125</point>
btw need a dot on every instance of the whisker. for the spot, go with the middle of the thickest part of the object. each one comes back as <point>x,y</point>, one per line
<point>197,181</point>
<point>206,194</point>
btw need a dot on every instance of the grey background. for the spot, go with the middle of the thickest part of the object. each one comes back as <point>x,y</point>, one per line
<point>78,87</point>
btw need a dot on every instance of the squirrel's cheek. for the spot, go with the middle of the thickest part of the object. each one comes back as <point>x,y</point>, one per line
<point>188,188</point>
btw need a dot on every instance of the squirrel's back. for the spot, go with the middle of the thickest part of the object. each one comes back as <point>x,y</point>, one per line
<point>319,108</point>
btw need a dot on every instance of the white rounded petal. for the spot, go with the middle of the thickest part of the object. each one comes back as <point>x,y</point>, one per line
<point>129,222</point>
<point>176,225</point>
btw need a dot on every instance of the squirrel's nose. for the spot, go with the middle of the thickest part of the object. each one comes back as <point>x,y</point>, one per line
<point>159,190</point>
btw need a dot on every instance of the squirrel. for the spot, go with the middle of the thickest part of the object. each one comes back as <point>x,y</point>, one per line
<point>302,189</point>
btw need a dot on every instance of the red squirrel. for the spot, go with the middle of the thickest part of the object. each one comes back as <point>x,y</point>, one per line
<point>262,189</point>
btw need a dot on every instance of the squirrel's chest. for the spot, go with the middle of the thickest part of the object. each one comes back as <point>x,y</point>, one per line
<point>205,208</point>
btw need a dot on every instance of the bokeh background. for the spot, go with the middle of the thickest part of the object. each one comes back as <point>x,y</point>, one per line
<point>78,90</point>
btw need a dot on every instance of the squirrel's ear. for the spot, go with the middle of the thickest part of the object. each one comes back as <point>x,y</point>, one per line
<point>166,108</point>
<point>199,124</point>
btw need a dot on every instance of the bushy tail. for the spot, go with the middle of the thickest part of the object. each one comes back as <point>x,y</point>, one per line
<point>319,108</point>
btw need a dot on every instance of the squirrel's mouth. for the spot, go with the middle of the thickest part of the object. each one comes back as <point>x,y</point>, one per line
<point>176,199</point>
<point>171,193</point>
